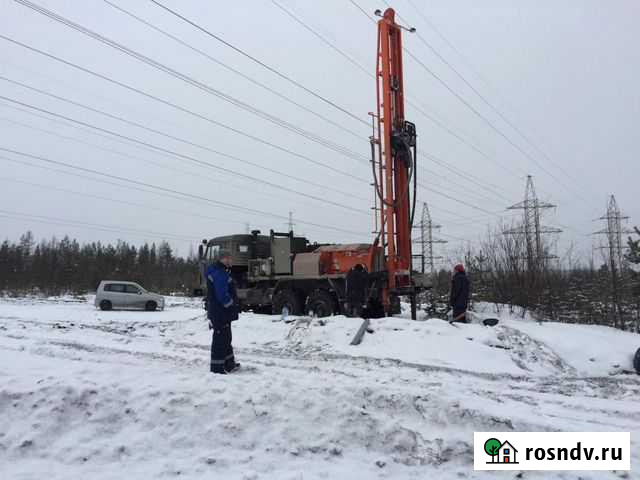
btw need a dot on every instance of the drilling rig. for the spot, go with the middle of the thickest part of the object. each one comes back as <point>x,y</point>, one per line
<point>281,270</point>
<point>393,158</point>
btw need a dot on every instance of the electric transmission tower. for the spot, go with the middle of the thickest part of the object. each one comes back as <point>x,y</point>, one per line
<point>614,231</point>
<point>531,229</point>
<point>426,227</point>
<point>290,224</point>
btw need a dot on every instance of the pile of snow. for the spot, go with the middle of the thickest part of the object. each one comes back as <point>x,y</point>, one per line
<point>91,394</point>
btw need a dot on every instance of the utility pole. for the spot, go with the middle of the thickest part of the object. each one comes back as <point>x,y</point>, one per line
<point>532,229</point>
<point>614,231</point>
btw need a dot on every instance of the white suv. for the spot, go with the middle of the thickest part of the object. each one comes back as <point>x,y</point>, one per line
<point>128,295</point>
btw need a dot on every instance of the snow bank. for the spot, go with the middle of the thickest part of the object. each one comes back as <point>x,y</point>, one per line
<point>91,394</point>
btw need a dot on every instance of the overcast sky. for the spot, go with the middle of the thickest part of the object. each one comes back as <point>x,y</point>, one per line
<point>565,74</point>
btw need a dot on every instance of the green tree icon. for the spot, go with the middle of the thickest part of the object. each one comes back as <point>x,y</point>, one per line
<point>492,446</point>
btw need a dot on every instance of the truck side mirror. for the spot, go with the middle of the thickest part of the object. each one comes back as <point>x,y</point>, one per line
<point>200,251</point>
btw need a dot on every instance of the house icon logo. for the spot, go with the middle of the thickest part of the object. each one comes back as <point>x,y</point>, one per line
<point>500,452</point>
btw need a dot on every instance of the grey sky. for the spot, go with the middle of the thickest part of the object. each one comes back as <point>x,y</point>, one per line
<point>564,72</point>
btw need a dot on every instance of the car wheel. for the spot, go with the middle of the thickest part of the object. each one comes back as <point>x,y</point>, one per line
<point>321,303</point>
<point>151,306</point>
<point>105,305</point>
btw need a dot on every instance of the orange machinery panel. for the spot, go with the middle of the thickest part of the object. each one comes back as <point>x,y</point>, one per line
<point>339,259</point>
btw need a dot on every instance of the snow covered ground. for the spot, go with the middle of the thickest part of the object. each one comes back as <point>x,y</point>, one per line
<point>102,395</point>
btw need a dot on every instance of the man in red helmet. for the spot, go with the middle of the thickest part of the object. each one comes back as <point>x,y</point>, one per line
<point>459,298</point>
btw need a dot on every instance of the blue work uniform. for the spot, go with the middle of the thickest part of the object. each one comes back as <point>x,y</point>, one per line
<point>221,310</point>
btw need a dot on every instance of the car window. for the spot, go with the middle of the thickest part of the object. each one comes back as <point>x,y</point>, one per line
<point>131,289</point>
<point>114,287</point>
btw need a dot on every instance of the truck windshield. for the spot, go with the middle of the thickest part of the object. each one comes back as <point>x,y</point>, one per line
<point>212,251</point>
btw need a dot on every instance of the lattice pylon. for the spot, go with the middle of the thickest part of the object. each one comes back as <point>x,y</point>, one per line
<point>531,226</point>
<point>427,241</point>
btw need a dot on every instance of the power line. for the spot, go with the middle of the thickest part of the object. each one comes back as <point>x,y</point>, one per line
<point>421,185</point>
<point>185,110</point>
<point>195,83</point>
<point>261,63</point>
<point>117,152</point>
<point>461,173</point>
<point>482,97</point>
<point>431,117</point>
<point>162,67</point>
<point>179,139</point>
<point>322,38</point>
<point>173,137</point>
<point>93,226</point>
<point>172,191</point>
<point>181,156</point>
<point>120,201</point>
<point>467,190</point>
<point>457,200</point>
<point>234,70</point>
<point>369,74</point>
<point>490,105</point>
<point>355,4</point>
<point>154,151</point>
<point>466,142</point>
<point>107,182</point>
<point>471,107</point>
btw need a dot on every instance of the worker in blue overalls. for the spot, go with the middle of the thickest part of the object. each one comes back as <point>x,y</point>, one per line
<point>222,309</point>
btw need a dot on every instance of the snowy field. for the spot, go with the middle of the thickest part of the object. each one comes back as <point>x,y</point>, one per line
<point>104,395</point>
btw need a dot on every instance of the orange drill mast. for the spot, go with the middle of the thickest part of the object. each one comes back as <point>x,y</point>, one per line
<point>393,152</point>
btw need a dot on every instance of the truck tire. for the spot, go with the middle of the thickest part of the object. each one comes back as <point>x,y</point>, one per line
<point>288,298</point>
<point>321,303</point>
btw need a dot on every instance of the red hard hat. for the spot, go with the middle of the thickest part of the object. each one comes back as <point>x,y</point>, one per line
<point>459,268</point>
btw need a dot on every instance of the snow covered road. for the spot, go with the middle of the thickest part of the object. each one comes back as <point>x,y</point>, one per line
<point>90,394</point>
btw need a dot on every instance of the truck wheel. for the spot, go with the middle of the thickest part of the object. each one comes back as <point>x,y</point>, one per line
<point>287,298</point>
<point>151,306</point>
<point>105,305</point>
<point>321,303</point>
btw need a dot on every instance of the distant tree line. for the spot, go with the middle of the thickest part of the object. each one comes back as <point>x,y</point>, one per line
<point>566,290</point>
<point>60,266</point>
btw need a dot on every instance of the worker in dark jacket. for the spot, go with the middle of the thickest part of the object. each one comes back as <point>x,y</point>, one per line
<point>357,281</point>
<point>221,310</point>
<point>459,298</point>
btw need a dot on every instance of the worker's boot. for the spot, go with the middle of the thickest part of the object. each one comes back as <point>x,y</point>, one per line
<point>218,369</point>
<point>233,368</point>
